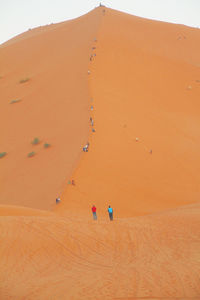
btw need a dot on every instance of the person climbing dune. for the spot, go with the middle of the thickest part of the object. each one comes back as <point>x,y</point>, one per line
<point>57,200</point>
<point>110,212</point>
<point>86,147</point>
<point>94,212</point>
<point>91,121</point>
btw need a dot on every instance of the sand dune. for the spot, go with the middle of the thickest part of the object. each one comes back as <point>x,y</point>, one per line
<point>153,257</point>
<point>12,210</point>
<point>53,107</point>
<point>142,93</point>
<point>139,85</point>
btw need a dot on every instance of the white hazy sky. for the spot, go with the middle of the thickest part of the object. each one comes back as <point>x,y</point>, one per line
<point>17,16</point>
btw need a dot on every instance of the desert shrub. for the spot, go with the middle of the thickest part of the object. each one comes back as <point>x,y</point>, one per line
<point>46,145</point>
<point>2,154</point>
<point>15,101</point>
<point>31,154</point>
<point>24,80</point>
<point>35,141</point>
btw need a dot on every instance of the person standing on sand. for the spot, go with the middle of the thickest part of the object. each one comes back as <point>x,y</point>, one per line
<point>110,212</point>
<point>57,200</point>
<point>94,212</point>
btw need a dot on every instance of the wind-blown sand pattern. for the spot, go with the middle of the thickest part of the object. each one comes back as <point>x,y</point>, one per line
<point>139,81</point>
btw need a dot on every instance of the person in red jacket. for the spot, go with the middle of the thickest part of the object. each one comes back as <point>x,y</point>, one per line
<point>94,212</point>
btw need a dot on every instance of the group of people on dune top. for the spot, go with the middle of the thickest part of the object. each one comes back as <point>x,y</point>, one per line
<point>110,212</point>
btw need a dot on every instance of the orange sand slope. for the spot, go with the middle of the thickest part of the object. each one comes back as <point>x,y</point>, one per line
<point>11,210</point>
<point>142,93</point>
<point>53,107</point>
<point>151,257</point>
<point>144,84</point>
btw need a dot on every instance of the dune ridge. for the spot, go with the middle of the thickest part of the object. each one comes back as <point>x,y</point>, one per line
<point>142,93</point>
<point>144,155</point>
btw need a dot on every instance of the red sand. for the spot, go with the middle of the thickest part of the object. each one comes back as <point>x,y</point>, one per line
<point>144,85</point>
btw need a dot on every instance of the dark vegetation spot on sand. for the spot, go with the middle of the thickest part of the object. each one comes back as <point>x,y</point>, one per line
<point>2,154</point>
<point>31,154</point>
<point>15,101</point>
<point>23,80</point>
<point>36,141</point>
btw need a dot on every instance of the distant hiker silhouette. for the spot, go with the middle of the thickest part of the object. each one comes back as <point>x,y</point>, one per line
<point>94,212</point>
<point>110,212</point>
<point>57,200</point>
<point>91,121</point>
<point>86,147</point>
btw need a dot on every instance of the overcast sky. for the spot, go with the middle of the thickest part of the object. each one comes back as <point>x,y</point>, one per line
<point>17,16</point>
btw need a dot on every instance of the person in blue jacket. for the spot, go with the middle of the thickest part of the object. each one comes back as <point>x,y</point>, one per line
<point>110,212</point>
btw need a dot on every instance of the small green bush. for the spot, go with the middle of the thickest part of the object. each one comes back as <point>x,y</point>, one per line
<point>24,80</point>
<point>46,145</point>
<point>2,154</point>
<point>36,141</point>
<point>31,154</point>
<point>15,101</point>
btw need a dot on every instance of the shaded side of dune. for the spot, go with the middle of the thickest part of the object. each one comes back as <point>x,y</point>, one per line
<point>44,110</point>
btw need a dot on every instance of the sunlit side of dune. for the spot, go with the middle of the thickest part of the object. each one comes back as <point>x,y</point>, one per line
<point>152,257</point>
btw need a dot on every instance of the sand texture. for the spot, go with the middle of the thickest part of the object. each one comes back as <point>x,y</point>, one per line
<point>130,87</point>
